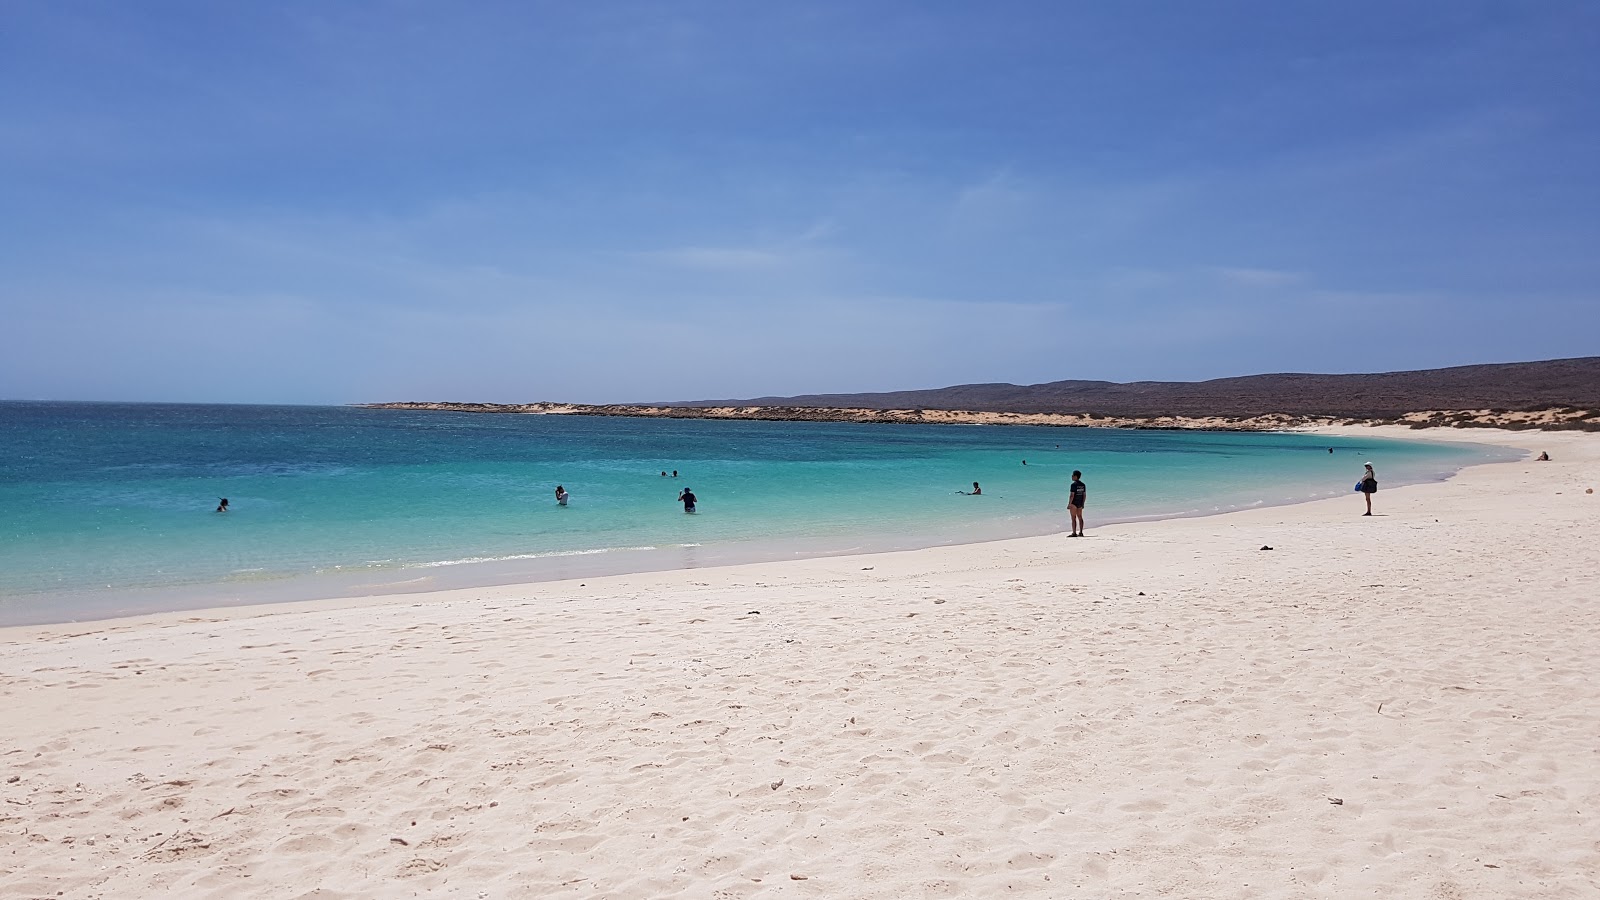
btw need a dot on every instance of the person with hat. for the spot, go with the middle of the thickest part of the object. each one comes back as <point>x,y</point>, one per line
<point>1368,486</point>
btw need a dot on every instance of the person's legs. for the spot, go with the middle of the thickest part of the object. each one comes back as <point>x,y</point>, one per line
<point>1368,495</point>
<point>1076,513</point>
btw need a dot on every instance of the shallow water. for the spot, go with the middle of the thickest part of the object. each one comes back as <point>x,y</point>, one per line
<point>107,508</point>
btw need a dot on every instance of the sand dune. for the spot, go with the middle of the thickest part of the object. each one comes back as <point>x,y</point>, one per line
<point>1402,707</point>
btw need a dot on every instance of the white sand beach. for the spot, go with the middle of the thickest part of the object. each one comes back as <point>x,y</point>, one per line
<point>1402,706</point>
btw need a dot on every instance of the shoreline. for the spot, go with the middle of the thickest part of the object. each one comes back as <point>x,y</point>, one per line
<point>526,568</point>
<point>1554,418</point>
<point>1397,706</point>
<point>223,612</point>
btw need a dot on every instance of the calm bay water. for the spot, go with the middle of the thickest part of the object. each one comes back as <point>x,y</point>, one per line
<point>107,508</point>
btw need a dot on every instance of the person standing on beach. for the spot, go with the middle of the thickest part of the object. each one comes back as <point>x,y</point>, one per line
<point>688,498</point>
<point>1079,492</point>
<point>1369,486</point>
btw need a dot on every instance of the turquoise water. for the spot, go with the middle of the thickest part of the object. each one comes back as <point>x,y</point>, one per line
<point>107,508</point>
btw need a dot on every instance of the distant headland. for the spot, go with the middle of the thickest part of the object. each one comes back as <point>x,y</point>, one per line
<point>1552,394</point>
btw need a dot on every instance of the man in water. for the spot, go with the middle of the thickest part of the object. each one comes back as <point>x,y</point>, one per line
<point>976,491</point>
<point>687,496</point>
<point>223,506</point>
<point>1079,492</point>
<point>561,495</point>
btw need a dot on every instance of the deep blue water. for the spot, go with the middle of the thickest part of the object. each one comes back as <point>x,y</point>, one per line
<point>109,507</point>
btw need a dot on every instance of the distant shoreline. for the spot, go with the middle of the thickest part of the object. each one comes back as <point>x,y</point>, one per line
<point>1555,419</point>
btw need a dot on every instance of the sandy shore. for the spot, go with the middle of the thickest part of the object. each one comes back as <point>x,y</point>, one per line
<point>1404,706</point>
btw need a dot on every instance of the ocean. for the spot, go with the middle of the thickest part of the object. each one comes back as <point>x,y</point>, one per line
<point>108,509</point>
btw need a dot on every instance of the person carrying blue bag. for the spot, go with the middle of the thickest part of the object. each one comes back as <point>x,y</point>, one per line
<point>1368,485</point>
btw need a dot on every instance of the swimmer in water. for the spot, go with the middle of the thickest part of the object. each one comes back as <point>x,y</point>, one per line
<point>561,495</point>
<point>688,499</point>
<point>223,506</point>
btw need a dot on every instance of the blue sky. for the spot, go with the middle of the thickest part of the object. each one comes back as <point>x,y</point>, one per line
<point>608,202</point>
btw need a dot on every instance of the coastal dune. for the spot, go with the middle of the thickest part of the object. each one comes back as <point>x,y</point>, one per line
<point>1399,706</point>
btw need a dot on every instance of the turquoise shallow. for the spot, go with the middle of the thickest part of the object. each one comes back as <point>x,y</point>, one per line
<point>107,509</point>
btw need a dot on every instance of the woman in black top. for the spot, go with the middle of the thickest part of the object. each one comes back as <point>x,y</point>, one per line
<point>1079,492</point>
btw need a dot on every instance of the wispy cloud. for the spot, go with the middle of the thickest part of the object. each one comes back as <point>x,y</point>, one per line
<point>1131,279</point>
<point>1257,278</point>
<point>803,248</point>
<point>997,201</point>
<point>721,259</point>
